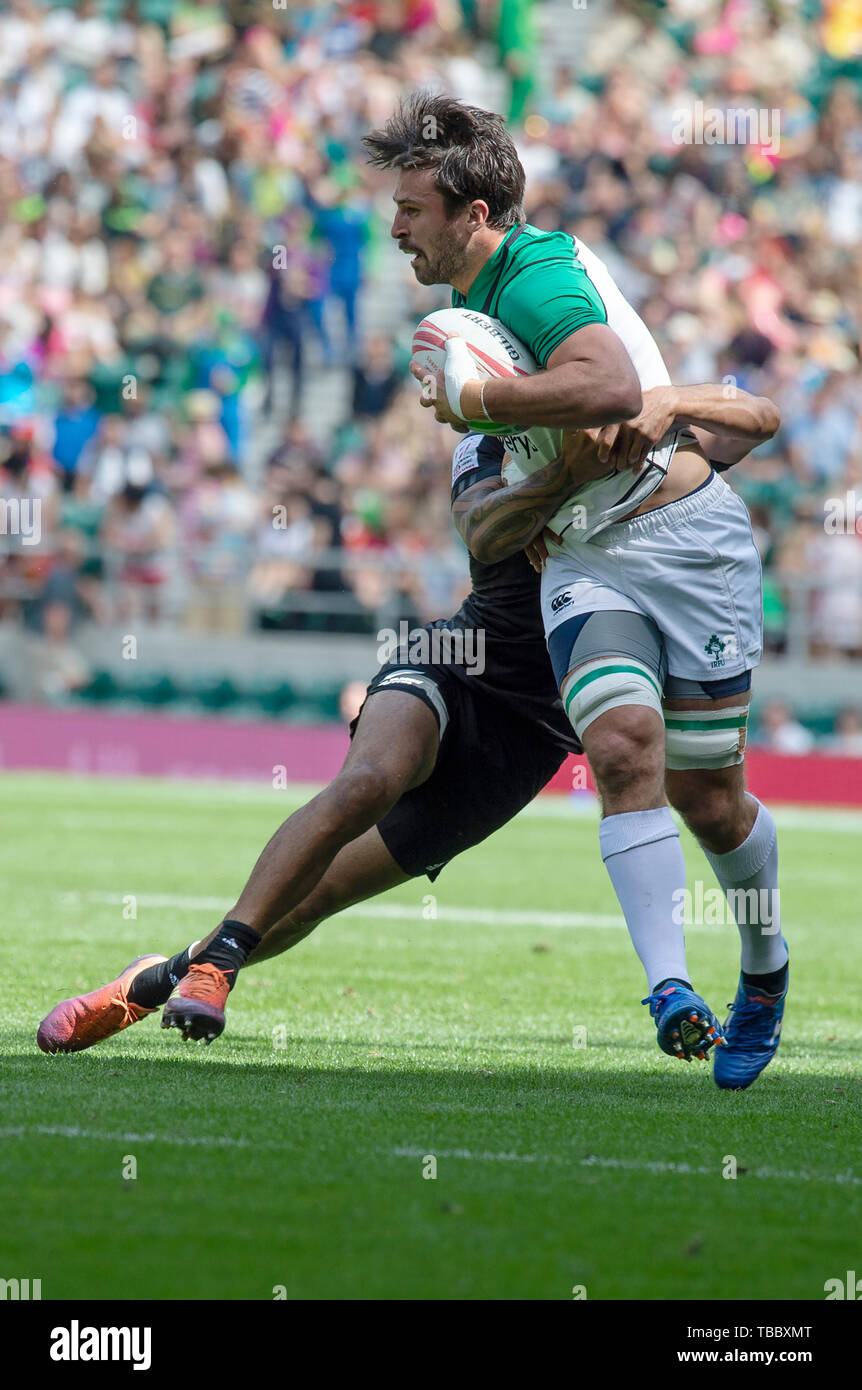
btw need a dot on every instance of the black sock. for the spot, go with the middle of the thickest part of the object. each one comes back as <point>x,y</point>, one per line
<point>686,984</point>
<point>229,949</point>
<point>773,983</point>
<point>155,985</point>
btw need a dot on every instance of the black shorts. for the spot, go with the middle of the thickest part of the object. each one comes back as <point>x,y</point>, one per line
<point>490,764</point>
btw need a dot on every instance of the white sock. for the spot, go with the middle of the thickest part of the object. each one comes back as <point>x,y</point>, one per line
<point>643,857</point>
<point>754,865</point>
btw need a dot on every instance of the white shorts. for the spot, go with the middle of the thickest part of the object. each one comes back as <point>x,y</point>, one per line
<point>691,566</point>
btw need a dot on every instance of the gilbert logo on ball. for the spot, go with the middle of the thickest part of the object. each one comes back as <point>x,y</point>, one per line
<point>493,351</point>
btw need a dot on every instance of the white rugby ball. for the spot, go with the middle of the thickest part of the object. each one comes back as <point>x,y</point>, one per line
<point>495,351</point>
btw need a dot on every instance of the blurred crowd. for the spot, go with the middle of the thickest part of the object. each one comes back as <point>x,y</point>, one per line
<point>187,227</point>
<point>778,730</point>
<point>204,336</point>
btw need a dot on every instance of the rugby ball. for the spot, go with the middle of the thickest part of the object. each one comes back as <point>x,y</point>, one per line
<point>495,351</point>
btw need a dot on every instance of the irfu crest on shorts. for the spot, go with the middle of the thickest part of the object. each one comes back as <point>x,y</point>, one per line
<point>715,648</point>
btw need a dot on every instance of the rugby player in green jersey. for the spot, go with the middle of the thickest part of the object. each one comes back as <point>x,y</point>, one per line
<point>651,593</point>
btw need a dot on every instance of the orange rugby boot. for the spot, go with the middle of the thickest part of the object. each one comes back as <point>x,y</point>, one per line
<point>91,1018</point>
<point>198,1006</point>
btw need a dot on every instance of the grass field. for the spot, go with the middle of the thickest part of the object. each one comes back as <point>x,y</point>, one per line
<point>291,1152</point>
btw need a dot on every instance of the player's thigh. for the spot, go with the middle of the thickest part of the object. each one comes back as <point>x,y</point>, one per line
<point>609,665</point>
<point>397,735</point>
<point>492,762</point>
<point>361,870</point>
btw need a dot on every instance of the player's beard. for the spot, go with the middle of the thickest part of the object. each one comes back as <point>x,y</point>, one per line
<point>441,262</point>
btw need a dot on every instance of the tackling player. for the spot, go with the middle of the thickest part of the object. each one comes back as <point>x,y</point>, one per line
<point>420,728</point>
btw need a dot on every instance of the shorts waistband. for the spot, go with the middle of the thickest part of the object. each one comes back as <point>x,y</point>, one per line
<point>709,495</point>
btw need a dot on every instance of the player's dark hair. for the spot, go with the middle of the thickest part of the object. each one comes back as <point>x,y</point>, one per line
<point>470,151</point>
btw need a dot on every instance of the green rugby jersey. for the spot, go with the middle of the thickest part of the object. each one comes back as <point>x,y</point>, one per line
<point>537,285</point>
<point>544,286</point>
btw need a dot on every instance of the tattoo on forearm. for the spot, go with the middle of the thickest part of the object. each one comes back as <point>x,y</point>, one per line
<point>497,524</point>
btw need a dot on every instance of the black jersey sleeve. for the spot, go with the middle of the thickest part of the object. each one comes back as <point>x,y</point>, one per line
<point>477,456</point>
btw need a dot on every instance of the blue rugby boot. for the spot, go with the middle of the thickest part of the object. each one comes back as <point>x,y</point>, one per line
<point>753,1031</point>
<point>686,1026</point>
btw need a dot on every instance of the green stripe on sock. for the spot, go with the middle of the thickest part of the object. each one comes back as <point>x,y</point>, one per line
<point>608,671</point>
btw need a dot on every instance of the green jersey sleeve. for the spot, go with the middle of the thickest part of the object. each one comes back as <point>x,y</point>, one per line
<point>548,301</point>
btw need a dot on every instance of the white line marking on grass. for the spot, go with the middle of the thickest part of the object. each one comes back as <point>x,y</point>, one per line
<point>402,912</point>
<point>481,916</point>
<point>214,1141</point>
<point>657,1167</point>
<point>634,1165</point>
<point>491,916</point>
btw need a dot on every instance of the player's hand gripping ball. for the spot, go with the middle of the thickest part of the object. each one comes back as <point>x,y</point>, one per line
<point>454,352</point>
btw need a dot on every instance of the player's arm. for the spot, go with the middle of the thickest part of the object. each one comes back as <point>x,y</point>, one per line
<point>589,380</point>
<point>495,521</point>
<point>727,427</point>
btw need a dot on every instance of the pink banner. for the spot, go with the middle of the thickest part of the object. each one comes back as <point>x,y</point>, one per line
<point>812,780</point>
<point>155,745</point>
<point>136,745</point>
